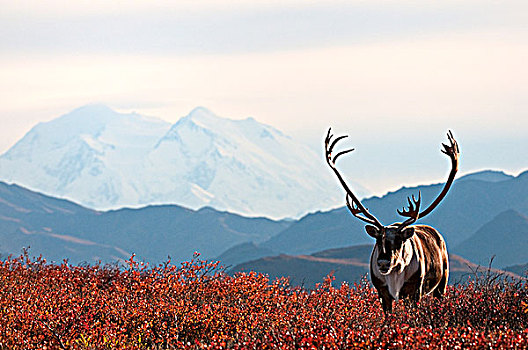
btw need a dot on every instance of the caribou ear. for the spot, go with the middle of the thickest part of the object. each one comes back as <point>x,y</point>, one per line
<point>407,233</point>
<point>372,231</point>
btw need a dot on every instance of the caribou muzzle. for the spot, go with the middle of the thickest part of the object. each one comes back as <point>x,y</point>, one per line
<point>384,266</point>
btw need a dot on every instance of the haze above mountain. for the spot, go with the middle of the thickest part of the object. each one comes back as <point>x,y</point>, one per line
<point>107,160</point>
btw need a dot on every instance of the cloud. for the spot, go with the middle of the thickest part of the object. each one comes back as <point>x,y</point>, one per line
<point>107,28</point>
<point>460,79</point>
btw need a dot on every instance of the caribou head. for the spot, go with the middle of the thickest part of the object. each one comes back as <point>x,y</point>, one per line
<point>406,260</point>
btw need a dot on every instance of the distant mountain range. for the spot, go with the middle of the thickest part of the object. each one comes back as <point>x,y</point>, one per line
<point>108,160</point>
<point>479,219</point>
<point>470,204</point>
<point>59,229</point>
<point>482,216</point>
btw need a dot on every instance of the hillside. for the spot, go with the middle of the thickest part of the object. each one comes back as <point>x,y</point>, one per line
<point>61,229</point>
<point>243,252</point>
<point>505,238</point>
<point>348,264</point>
<point>521,270</point>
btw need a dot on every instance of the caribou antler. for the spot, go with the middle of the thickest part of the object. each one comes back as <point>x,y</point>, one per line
<point>453,152</point>
<point>356,211</point>
<point>356,208</point>
<point>412,213</point>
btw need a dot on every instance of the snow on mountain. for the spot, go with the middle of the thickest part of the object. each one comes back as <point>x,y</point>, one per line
<point>106,160</point>
<point>90,155</point>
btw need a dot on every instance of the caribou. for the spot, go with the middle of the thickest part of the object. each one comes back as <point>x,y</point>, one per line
<point>406,261</point>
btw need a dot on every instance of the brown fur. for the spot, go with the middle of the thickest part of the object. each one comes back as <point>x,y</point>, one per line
<point>430,251</point>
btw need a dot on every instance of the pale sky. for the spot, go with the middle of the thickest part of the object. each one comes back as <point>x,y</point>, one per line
<point>394,75</point>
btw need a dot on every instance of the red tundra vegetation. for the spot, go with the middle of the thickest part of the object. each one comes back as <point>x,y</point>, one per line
<point>197,306</point>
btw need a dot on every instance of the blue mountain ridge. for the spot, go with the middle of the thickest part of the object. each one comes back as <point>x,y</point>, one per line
<point>61,229</point>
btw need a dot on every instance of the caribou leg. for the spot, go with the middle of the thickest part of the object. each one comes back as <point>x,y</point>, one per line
<point>386,300</point>
<point>442,286</point>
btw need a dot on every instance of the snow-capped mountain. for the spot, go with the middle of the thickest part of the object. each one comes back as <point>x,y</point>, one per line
<point>91,155</point>
<point>106,160</point>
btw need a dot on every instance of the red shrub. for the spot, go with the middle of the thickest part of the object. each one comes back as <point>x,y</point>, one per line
<point>197,306</point>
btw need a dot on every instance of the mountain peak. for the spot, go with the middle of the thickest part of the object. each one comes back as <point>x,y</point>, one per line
<point>487,175</point>
<point>206,118</point>
<point>510,228</point>
<point>200,110</point>
<point>96,115</point>
<point>106,160</point>
<point>91,113</point>
<point>203,116</point>
<point>93,108</point>
<point>510,215</point>
<point>523,174</point>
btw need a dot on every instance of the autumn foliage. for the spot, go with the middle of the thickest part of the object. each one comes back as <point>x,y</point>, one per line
<point>196,306</point>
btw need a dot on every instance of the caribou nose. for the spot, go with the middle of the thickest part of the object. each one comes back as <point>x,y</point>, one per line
<point>383,265</point>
